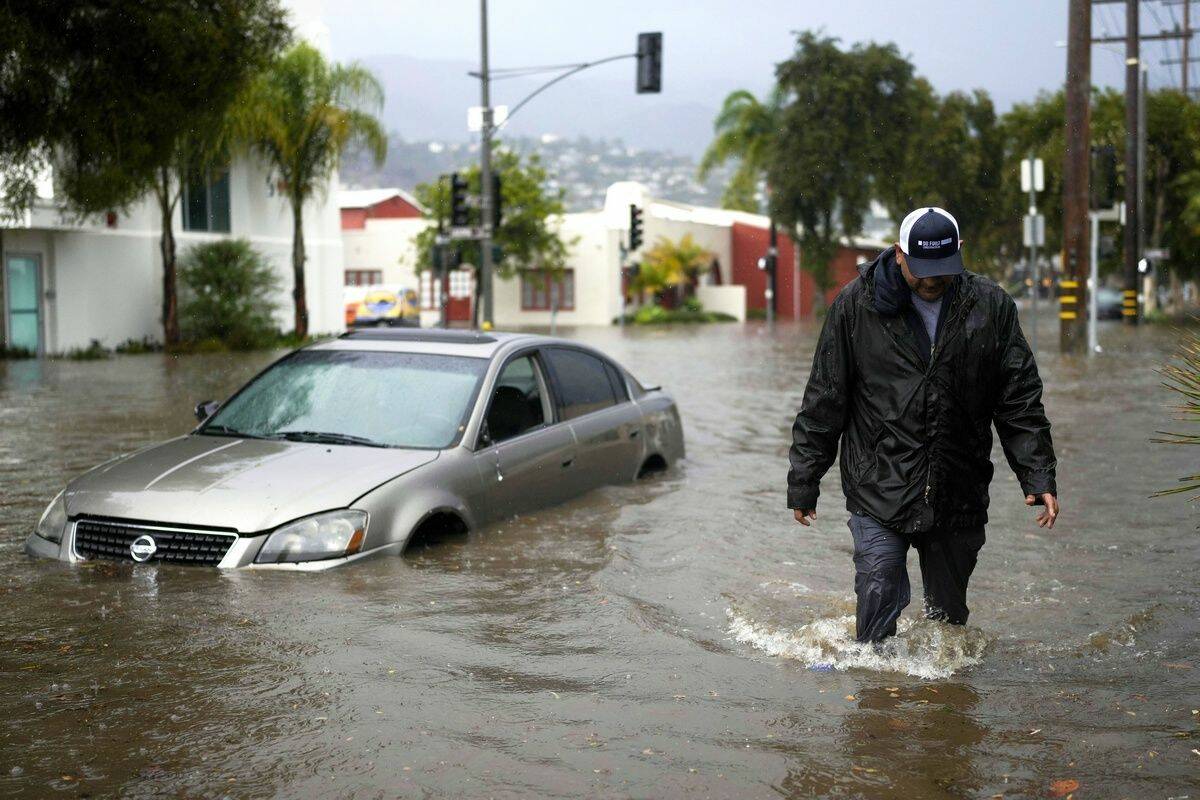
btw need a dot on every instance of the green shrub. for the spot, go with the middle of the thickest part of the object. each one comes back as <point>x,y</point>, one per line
<point>131,346</point>
<point>226,296</point>
<point>693,304</point>
<point>93,352</point>
<point>657,315</point>
<point>16,353</point>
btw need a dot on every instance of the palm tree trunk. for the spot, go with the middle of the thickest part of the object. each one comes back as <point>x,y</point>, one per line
<point>166,246</point>
<point>298,293</point>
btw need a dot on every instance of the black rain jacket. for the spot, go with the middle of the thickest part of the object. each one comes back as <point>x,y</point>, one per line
<point>914,418</point>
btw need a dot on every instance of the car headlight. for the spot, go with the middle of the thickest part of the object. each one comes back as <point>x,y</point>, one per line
<point>54,520</point>
<point>328,535</point>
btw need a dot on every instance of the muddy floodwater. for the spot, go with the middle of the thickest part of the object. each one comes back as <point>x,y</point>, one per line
<point>677,638</point>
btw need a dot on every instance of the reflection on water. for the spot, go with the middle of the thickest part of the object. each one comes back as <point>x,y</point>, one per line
<point>680,637</point>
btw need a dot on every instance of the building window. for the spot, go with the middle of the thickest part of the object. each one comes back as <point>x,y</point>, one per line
<point>364,277</point>
<point>431,291</point>
<point>206,201</point>
<point>541,293</point>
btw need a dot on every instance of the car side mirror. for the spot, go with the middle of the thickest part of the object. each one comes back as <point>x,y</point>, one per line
<point>485,435</point>
<point>206,408</point>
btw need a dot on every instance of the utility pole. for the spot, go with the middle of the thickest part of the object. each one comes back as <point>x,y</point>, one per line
<point>1187,38</point>
<point>1075,175</point>
<point>1129,310</point>
<point>485,171</point>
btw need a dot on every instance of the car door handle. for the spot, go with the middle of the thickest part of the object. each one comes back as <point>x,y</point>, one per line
<point>633,434</point>
<point>568,462</point>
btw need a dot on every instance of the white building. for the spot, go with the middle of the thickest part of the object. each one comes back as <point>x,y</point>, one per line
<point>67,282</point>
<point>380,247</point>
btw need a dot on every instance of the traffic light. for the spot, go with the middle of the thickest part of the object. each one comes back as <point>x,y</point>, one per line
<point>649,63</point>
<point>635,227</point>
<point>460,216</point>
<point>497,202</point>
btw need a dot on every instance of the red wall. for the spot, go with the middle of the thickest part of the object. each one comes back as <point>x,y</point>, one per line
<point>392,208</point>
<point>749,243</point>
<point>354,218</point>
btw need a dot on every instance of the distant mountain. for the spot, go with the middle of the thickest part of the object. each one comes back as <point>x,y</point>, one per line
<point>584,167</point>
<point>428,100</point>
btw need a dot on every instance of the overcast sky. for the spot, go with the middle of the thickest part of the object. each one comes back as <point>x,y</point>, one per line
<point>713,46</point>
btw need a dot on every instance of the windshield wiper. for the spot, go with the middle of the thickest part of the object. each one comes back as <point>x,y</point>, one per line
<point>323,437</point>
<point>225,430</point>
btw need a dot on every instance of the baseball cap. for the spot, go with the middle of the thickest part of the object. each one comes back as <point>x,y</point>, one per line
<point>929,238</point>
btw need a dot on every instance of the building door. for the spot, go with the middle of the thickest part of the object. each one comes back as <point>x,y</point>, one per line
<point>461,291</point>
<point>23,311</point>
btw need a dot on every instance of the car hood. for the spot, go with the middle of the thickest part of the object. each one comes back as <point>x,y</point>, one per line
<point>249,485</point>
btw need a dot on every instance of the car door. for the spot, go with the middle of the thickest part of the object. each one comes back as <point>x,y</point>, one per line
<point>525,455</point>
<point>595,402</point>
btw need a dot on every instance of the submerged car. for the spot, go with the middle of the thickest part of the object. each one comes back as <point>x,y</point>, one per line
<point>353,446</point>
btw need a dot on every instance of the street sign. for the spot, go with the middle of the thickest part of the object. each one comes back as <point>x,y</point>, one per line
<point>458,234</point>
<point>1158,254</point>
<point>1035,230</point>
<point>475,117</point>
<point>1033,175</point>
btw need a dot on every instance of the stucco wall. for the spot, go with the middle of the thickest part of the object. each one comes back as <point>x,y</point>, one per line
<point>105,283</point>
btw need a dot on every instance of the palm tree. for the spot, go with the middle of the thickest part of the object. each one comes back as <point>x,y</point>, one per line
<point>300,115</point>
<point>744,129</point>
<point>1184,379</point>
<point>670,264</point>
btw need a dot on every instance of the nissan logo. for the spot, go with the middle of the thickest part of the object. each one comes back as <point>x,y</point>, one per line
<point>142,548</point>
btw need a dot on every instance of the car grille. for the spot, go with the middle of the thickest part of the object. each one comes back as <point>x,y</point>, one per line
<point>97,539</point>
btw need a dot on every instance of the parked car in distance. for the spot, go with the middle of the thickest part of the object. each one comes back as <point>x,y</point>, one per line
<point>379,306</point>
<point>1108,303</point>
<point>350,447</point>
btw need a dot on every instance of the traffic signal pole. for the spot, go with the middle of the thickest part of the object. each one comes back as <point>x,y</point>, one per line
<point>649,81</point>
<point>485,172</point>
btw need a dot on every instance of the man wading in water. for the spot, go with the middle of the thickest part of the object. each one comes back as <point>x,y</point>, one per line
<point>917,359</point>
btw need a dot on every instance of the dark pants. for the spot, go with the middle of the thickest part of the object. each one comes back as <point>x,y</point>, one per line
<point>881,576</point>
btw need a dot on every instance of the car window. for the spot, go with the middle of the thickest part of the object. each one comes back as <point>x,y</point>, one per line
<point>618,382</point>
<point>516,404</point>
<point>394,399</point>
<point>582,382</point>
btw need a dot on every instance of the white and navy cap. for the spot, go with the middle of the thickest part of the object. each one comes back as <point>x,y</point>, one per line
<point>929,238</point>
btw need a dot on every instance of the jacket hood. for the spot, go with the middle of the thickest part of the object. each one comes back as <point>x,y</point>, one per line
<point>248,485</point>
<point>887,288</point>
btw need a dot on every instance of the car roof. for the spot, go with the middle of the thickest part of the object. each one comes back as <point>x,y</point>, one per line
<point>439,341</point>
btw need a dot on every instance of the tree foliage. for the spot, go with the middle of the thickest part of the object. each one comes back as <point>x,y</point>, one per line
<point>671,263</point>
<point>108,89</point>
<point>744,129</point>
<point>528,237</point>
<point>226,297</point>
<point>300,115</point>
<point>844,126</point>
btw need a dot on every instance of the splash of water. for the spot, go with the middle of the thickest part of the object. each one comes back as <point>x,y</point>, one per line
<point>921,648</point>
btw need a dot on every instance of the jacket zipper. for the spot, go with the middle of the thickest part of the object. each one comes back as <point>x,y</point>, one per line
<point>960,302</point>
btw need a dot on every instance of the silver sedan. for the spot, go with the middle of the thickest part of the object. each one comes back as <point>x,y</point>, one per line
<point>351,447</point>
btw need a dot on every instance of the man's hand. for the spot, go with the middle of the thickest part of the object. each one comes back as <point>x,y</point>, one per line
<point>1049,512</point>
<point>803,515</point>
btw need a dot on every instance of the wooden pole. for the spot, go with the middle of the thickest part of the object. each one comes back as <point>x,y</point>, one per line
<point>1072,319</point>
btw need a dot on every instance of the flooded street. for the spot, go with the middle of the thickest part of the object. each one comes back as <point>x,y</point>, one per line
<point>681,637</point>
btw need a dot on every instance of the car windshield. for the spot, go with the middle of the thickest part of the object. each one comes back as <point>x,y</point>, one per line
<point>355,397</point>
